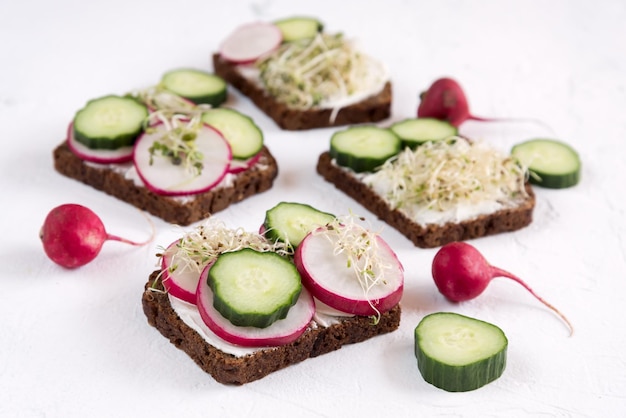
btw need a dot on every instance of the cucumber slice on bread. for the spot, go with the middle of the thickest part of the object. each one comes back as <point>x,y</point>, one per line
<point>290,222</point>
<point>197,86</point>
<point>416,131</point>
<point>364,148</point>
<point>253,288</point>
<point>552,164</point>
<point>457,353</point>
<point>297,28</point>
<point>243,135</point>
<point>109,122</point>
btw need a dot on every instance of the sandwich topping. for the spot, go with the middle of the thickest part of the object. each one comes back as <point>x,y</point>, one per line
<point>449,181</point>
<point>324,71</point>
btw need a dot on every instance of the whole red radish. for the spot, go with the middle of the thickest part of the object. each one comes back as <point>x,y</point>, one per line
<point>462,273</point>
<point>73,235</point>
<point>446,100</point>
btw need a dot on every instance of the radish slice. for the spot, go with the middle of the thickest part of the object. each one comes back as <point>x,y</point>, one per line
<point>183,280</point>
<point>100,156</point>
<point>239,166</point>
<point>163,177</point>
<point>283,331</point>
<point>249,42</point>
<point>329,279</point>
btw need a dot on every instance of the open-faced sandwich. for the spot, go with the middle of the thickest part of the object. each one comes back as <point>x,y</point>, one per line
<point>434,190</point>
<point>168,149</point>
<point>243,305</point>
<point>302,76</point>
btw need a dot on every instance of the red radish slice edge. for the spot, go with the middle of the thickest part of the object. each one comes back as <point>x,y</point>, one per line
<point>249,42</point>
<point>100,156</point>
<point>182,282</point>
<point>329,279</point>
<point>281,332</point>
<point>164,178</point>
<point>239,166</point>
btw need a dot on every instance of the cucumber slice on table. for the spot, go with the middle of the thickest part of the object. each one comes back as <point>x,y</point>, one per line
<point>552,164</point>
<point>109,122</point>
<point>457,353</point>
<point>198,86</point>
<point>243,135</point>
<point>253,288</point>
<point>364,148</point>
<point>416,131</point>
<point>291,222</point>
<point>296,28</point>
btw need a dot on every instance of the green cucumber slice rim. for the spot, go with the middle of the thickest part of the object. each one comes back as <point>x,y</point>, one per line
<point>253,288</point>
<point>243,135</point>
<point>551,163</point>
<point>197,86</point>
<point>458,353</point>
<point>416,131</point>
<point>290,222</point>
<point>299,27</point>
<point>364,148</point>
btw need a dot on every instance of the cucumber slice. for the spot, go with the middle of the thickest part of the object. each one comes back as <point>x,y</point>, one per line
<point>253,288</point>
<point>109,122</point>
<point>296,28</point>
<point>457,353</point>
<point>416,131</point>
<point>243,135</point>
<point>290,222</point>
<point>552,164</point>
<point>364,148</point>
<point>198,86</point>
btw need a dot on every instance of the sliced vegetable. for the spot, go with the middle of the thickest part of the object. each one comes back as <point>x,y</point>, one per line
<point>281,332</point>
<point>290,222</point>
<point>109,122</point>
<point>350,269</point>
<point>180,274</point>
<point>364,148</point>
<point>457,353</point>
<point>197,86</point>
<point>552,163</point>
<point>252,288</point>
<point>249,42</point>
<point>416,131</point>
<point>297,28</point>
<point>198,167</point>
<point>238,166</point>
<point>100,156</point>
<point>462,273</point>
<point>243,135</point>
<point>72,235</point>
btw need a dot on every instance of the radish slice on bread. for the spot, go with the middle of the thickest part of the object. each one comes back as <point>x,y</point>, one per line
<point>281,332</point>
<point>162,176</point>
<point>100,156</point>
<point>238,166</point>
<point>249,42</point>
<point>331,277</point>
<point>179,279</point>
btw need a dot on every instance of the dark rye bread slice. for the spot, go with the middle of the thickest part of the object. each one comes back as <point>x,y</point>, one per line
<point>181,211</point>
<point>229,369</point>
<point>373,109</point>
<point>429,236</point>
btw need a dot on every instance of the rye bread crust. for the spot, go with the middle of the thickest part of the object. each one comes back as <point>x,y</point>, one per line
<point>373,109</point>
<point>228,369</point>
<point>430,236</point>
<point>174,210</point>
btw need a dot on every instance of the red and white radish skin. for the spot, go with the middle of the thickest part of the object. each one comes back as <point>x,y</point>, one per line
<point>182,282</point>
<point>163,177</point>
<point>446,100</point>
<point>249,42</point>
<point>239,166</point>
<point>329,278</point>
<point>462,273</point>
<point>100,156</point>
<point>281,332</point>
<point>73,235</point>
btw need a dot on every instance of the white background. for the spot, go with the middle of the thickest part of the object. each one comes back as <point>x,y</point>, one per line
<point>76,343</point>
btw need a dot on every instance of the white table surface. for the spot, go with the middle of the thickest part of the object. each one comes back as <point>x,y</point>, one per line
<point>77,344</point>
